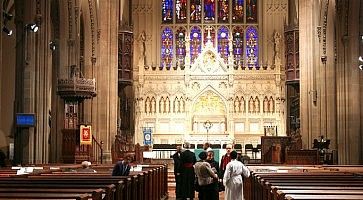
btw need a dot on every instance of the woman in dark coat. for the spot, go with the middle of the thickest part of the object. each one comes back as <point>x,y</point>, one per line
<point>215,167</point>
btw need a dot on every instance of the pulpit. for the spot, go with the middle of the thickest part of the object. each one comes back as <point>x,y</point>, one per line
<point>72,151</point>
<point>273,149</point>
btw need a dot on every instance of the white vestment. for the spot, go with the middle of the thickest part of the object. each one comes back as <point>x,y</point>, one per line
<point>232,180</point>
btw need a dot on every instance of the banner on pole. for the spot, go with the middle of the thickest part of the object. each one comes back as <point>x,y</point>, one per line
<point>147,136</point>
<point>85,135</point>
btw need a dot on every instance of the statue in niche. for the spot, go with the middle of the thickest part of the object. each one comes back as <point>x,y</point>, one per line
<point>256,105</point>
<point>251,105</point>
<point>147,105</point>
<point>179,106</point>
<point>161,106</point>
<point>265,105</point>
<point>142,39</point>
<point>277,42</point>
<point>242,105</point>
<point>183,105</point>
<point>167,105</point>
<point>153,105</point>
<point>271,105</point>
<point>236,105</point>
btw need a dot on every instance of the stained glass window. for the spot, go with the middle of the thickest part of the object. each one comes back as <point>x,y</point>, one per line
<point>195,11</point>
<point>166,48</point>
<point>223,11</point>
<point>209,10</point>
<point>167,11</point>
<point>212,33</point>
<point>195,42</point>
<point>251,11</point>
<point>237,10</point>
<point>223,49</point>
<point>180,47</point>
<point>238,47</point>
<point>187,25</point>
<point>252,47</point>
<point>181,11</point>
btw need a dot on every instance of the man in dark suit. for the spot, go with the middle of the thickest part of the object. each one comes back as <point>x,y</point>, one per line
<point>187,174</point>
<point>177,168</point>
<point>122,168</point>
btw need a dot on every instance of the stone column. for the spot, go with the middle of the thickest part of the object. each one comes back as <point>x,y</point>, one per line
<point>105,104</point>
<point>330,77</point>
<point>42,81</point>
<point>309,49</point>
<point>348,80</point>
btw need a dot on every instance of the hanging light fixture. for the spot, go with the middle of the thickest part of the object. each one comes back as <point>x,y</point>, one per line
<point>9,32</point>
<point>32,27</point>
<point>52,45</point>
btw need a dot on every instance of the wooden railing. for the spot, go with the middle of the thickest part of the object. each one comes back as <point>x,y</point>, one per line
<point>97,151</point>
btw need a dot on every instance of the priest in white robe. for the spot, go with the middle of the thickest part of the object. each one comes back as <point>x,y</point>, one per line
<point>232,178</point>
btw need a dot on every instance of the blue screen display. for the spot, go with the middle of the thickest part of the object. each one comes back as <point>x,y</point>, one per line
<point>25,119</point>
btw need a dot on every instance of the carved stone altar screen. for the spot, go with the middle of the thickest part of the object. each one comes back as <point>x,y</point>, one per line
<point>239,103</point>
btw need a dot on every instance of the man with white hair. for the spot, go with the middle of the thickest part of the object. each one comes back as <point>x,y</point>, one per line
<point>86,167</point>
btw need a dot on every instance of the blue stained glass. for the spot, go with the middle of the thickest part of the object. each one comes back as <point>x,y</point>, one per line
<point>238,47</point>
<point>209,10</point>
<point>195,11</point>
<point>223,45</point>
<point>195,42</point>
<point>166,48</point>
<point>167,11</point>
<point>252,47</point>
<point>180,46</point>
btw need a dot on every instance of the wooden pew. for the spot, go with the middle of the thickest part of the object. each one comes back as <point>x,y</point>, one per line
<point>108,191</point>
<point>262,185</point>
<point>70,183</point>
<point>94,195</point>
<point>133,187</point>
<point>79,197</point>
<point>284,193</point>
<point>324,197</point>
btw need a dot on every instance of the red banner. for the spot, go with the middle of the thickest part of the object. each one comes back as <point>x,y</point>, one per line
<point>86,134</point>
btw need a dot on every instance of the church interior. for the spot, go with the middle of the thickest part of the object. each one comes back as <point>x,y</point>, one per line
<point>96,80</point>
<point>165,72</point>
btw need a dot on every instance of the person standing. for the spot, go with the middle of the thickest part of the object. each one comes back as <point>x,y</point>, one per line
<point>206,147</point>
<point>187,160</point>
<point>177,168</point>
<point>206,177</point>
<point>215,167</point>
<point>2,159</point>
<point>226,158</point>
<point>232,179</point>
